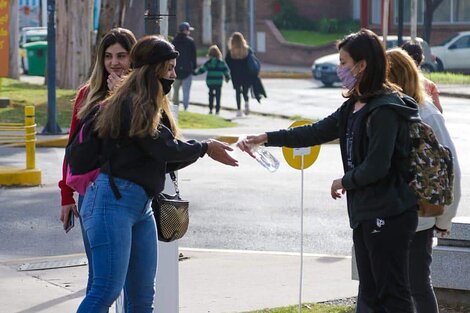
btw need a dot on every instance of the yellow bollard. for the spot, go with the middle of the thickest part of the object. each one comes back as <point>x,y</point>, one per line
<point>30,137</point>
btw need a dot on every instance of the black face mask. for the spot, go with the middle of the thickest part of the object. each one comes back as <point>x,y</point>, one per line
<point>166,84</point>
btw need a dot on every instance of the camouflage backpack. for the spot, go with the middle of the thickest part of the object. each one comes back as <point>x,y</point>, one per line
<point>431,169</point>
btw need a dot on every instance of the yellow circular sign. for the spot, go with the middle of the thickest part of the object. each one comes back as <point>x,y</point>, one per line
<point>293,156</point>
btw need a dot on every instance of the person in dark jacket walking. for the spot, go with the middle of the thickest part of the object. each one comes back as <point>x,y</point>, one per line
<point>216,71</point>
<point>140,138</point>
<point>242,78</point>
<point>186,63</point>
<point>372,127</point>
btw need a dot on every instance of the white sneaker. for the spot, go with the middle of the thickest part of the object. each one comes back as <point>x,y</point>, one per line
<point>247,109</point>
<point>239,113</point>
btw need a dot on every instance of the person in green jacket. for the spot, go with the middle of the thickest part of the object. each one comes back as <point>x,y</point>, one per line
<point>216,70</point>
<point>372,127</point>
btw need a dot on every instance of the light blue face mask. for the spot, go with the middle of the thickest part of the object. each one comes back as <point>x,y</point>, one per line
<point>347,77</point>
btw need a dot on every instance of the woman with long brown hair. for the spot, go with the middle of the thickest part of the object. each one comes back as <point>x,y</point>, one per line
<point>140,142</point>
<point>111,64</point>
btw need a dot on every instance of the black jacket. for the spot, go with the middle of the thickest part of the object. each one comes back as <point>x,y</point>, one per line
<point>145,161</point>
<point>377,187</point>
<point>186,62</point>
<point>239,70</point>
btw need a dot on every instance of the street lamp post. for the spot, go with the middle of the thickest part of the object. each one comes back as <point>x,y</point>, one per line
<point>51,127</point>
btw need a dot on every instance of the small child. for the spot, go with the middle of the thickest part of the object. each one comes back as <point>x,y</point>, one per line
<point>216,71</point>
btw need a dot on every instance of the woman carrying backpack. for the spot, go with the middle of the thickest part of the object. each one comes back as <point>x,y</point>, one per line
<point>373,133</point>
<point>112,63</point>
<point>139,132</point>
<point>404,73</point>
<point>242,78</point>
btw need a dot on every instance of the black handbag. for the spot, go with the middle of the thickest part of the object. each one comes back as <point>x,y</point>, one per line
<point>171,214</point>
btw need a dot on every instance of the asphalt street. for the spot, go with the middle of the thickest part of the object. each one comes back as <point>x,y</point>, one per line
<point>247,208</point>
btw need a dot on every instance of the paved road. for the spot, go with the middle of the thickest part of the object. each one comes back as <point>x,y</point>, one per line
<point>246,208</point>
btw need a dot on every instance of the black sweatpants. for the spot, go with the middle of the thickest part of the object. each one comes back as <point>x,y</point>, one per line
<point>382,253</point>
<point>214,92</point>
<point>420,272</point>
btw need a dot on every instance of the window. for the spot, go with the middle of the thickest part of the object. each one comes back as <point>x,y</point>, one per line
<point>448,12</point>
<point>375,14</point>
<point>462,43</point>
<point>442,13</point>
<point>461,11</point>
<point>407,11</point>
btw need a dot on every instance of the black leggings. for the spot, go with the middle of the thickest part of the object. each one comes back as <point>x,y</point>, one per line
<point>420,272</point>
<point>214,91</point>
<point>382,252</point>
<point>239,90</point>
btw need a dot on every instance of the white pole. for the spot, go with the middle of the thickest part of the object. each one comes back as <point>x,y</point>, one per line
<point>252,25</point>
<point>301,232</point>
<point>222,28</point>
<point>414,19</point>
<point>167,291</point>
<point>385,22</point>
<point>207,22</point>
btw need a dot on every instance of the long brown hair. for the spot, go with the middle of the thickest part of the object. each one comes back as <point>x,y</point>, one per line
<point>143,88</point>
<point>98,88</point>
<point>405,73</point>
<point>238,46</point>
<point>373,81</point>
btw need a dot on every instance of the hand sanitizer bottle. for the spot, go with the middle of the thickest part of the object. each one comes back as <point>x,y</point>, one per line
<point>265,158</point>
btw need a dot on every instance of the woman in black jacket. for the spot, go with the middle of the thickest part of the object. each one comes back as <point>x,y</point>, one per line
<point>237,61</point>
<point>140,139</point>
<point>373,132</point>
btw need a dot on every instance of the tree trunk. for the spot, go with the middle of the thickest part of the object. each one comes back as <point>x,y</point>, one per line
<point>112,14</point>
<point>134,17</point>
<point>74,31</point>
<point>430,7</point>
<point>13,68</point>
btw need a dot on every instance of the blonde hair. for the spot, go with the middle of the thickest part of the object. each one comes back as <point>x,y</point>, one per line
<point>214,52</point>
<point>97,85</point>
<point>238,46</point>
<point>143,88</point>
<point>405,73</point>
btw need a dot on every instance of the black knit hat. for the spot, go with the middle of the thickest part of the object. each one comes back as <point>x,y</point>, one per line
<point>163,51</point>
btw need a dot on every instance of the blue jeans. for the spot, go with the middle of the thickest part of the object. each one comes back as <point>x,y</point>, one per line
<point>186,89</point>
<point>123,241</point>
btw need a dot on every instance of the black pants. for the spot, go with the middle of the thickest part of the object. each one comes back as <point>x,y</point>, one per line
<point>214,91</point>
<point>241,90</point>
<point>420,272</point>
<point>382,252</point>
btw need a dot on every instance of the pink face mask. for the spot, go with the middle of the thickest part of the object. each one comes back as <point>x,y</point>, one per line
<point>347,77</point>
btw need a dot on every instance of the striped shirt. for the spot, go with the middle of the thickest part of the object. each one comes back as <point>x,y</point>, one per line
<point>216,71</point>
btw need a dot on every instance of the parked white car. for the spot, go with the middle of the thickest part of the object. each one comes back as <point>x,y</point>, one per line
<point>27,35</point>
<point>324,68</point>
<point>454,53</point>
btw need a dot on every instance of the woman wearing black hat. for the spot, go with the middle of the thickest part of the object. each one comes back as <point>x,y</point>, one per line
<point>141,136</point>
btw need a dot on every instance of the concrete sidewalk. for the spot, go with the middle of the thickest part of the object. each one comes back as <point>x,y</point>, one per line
<point>210,281</point>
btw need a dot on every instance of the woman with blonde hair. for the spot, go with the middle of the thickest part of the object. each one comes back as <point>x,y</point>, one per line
<point>404,73</point>
<point>140,144</point>
<point>237,61</point>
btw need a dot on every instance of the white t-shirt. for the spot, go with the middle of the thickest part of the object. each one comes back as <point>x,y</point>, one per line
<point>431,116</point>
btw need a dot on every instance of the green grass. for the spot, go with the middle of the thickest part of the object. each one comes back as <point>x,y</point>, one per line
<point>448,78</point>
<point>310,308</point>
<point>22,94</point>
<point>310,38</point>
